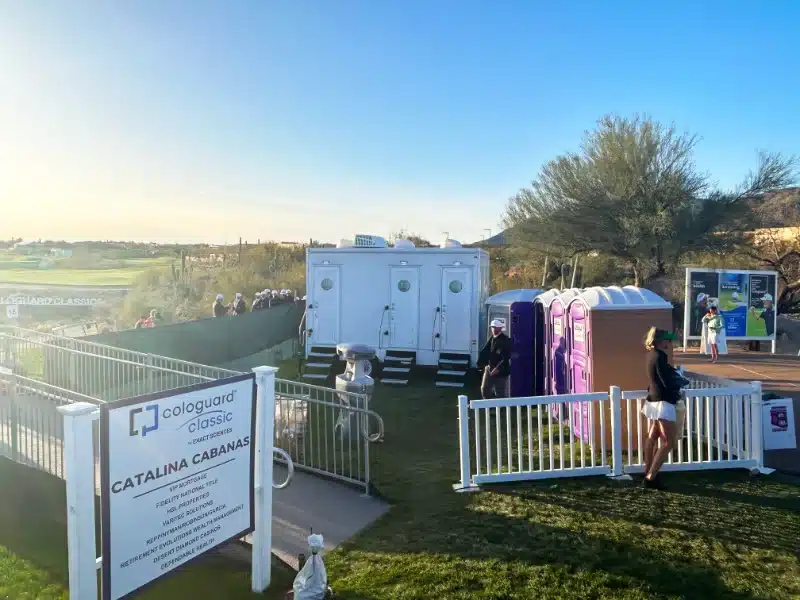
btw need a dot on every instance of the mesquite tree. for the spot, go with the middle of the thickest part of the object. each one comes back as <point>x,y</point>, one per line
<point>633,192</point>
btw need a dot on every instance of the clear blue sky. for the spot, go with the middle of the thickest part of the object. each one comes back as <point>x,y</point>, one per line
<point>200,120</point>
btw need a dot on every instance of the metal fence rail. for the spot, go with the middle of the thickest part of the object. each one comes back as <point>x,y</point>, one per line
<point>31,429</point>
<point>326,431</point>
<point>96,370</point>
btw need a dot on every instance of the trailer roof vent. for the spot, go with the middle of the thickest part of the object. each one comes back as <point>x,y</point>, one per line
<point>448,243</point>
<point>404,245</point>
<point>369,241</point>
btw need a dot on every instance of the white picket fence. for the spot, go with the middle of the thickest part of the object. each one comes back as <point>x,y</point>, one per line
<point>518,439</point>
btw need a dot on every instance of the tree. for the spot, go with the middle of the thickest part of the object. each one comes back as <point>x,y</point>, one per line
<point>633,192</point>
<point>771,238</point>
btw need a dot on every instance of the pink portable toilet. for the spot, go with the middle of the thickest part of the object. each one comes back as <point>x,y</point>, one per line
<point>558,355</point>
<point>605,343</point>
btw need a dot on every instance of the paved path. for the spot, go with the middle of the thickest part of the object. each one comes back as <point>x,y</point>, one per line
<point>335,510</point>
<point>779,373</point>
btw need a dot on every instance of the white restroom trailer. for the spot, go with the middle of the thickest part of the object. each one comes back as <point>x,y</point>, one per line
<point>419,303</point>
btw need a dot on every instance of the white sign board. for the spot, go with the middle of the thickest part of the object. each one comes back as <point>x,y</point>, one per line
<point>12,312</point>
<point>176,479</point>
<point>778,425</point>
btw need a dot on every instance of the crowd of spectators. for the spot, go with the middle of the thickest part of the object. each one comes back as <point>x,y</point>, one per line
<point>261,301</point>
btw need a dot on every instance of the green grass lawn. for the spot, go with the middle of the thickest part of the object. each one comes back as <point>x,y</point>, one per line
<point>713,535</point>
<point>124,276</point>
<point>98,277</point>
<point>33,550</point>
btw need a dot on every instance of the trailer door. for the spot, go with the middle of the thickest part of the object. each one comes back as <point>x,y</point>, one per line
<point>456,329</point>
<point>404,308</point>
<point>325,300</point>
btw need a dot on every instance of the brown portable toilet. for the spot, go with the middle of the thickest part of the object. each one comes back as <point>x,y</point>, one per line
<point>605,346</point>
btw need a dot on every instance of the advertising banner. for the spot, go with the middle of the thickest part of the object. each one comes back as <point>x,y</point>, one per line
<point>745,300</point>
<point>702,288</point>
<point>777,422</point>
<point>176,479</point>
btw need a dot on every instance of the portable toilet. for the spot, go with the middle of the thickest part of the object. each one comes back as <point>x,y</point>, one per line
<point>515,309</point>
<point>606,327</point>
<point>541,315</point>
<point>557,350</point>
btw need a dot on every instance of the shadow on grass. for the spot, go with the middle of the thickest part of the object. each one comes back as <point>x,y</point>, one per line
<point>596,564</point>
<point>728,507</point>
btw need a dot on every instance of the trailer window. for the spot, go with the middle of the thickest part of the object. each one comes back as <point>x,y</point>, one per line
<point>456,286</point>
<point>403,285</point>
<point>327,284</point>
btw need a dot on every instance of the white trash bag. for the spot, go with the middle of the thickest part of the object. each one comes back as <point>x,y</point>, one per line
<point>311,582</point>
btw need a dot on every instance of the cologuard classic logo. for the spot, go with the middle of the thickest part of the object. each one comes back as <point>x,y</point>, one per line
<point>199,415</point>
<point>150,416</point>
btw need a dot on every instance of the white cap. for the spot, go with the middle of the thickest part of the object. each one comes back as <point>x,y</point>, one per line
<point>238,294</point>
<point>220,297</point>
<point>766,297</point>
<point>497,323</point>
<point>701,296</point>
<point>266,290</point>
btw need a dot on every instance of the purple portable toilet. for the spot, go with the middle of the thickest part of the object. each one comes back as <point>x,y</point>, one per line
<point>541,349</point>
<point>558,355</point>
<point>605,334</point>
<point>515,309</point>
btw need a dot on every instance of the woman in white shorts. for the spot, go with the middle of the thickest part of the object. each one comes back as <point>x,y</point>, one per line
<point>663,393</point>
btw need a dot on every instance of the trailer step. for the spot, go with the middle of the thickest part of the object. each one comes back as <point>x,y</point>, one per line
<point>315,376</point>
<point>455,384</point>
<point>395,381</point>
<point>323,354</point>
<point>451,361</point>
<point>319,365</point>
<point>401,359</point>
<point>396,370</point>
<point>450,372</point>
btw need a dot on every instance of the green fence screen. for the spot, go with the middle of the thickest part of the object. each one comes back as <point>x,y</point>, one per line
<point>212,341</point>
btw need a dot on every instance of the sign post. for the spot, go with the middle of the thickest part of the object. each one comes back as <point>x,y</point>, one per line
<point>181,473</point>
<point>746,300</point>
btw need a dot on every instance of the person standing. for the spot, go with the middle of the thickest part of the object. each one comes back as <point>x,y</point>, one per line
<point>663,393</point>
<point>768,314</point>
<point>239,306</point>
<point>495,360</point>
<point>219,309</point>
<point>716,326</point>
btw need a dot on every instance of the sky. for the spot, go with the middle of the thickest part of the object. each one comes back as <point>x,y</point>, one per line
<point>206,121</point>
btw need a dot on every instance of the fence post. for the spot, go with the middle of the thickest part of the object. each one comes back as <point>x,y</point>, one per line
<point>756,435</point>
<point>265,438</point>
<point>617,466</point>
<point>465,484</point>
<point>79,471</point>
<point>148,361</point>
<point>365,434</point>
<point>14,416</point>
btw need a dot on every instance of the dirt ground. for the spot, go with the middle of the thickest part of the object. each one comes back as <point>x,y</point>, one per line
<point>779,373</point>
